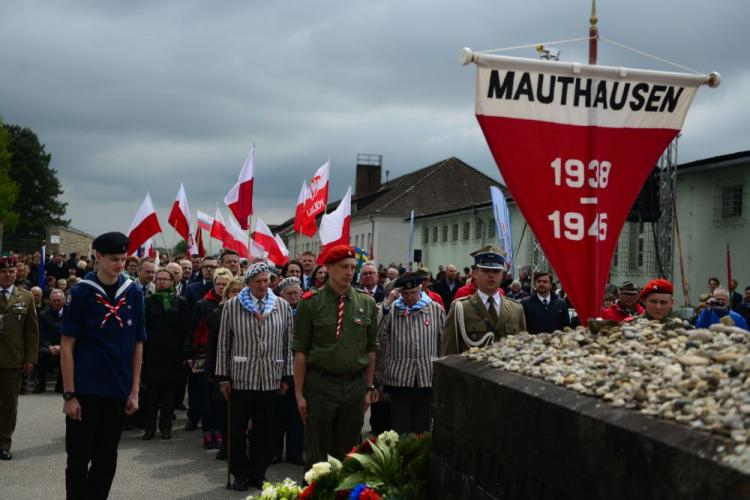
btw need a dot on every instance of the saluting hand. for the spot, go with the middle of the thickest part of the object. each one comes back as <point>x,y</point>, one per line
<point>72,409</point>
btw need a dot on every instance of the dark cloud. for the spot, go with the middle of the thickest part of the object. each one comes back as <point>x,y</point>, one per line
<point>137,96</point>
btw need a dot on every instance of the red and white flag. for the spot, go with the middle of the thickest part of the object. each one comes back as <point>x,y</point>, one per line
<point>236,239</point>
<point>264,238</point>
<point>301,223</point>
<point>145,225</point>
<point>575,143</point>
<point>179,216</point>
<point>204,221</point>
<point>148,249</point>
<point>282,247</point>
<point>218,227</point>
<point>201,250</point>
<point>334,227</point>
<point>317,196</point>
<point>239,199</point>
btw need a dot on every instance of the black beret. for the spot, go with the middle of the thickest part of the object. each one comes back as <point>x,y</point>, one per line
<point>408,281</point>
<point>111,243</point>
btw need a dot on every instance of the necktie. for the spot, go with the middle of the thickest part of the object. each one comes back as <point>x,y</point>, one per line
<point>4,298</point>
<point>340,320</point>
<point>545,302</point>
<point>491,308</point>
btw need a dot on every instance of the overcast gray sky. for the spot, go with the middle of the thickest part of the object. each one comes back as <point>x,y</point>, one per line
<point>138,95</point>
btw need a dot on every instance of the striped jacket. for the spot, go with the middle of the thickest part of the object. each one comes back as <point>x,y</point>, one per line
<point>255,353</point>
<point>408,344</point>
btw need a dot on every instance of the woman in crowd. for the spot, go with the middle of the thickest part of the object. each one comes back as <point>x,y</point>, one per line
<point>204,309</point>
<point>286,416</point>
<point>167,327</point>
<point>213,322</point>
<point>320,276</point>
<point>292,268</point>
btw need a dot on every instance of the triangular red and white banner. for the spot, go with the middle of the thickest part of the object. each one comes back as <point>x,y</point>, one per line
<point>574,144</point>
<point>239,199</point>
<point>334,227</point>
<point>145,225</point>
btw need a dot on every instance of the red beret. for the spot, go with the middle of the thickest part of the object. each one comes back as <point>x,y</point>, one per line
<point>335,254</point>
<point>657,286</point>
<point>7,262</point>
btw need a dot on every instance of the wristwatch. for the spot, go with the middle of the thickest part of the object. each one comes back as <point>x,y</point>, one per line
<point>67,396</point>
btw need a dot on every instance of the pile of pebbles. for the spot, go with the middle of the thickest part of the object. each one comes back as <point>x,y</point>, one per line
<point>695,377</point>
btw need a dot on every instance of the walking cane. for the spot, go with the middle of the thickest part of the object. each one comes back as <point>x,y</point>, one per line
<point>229,442</point>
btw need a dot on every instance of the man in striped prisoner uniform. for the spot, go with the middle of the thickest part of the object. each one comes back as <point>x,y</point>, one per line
<point>254,364</point>
<point>409,339</point>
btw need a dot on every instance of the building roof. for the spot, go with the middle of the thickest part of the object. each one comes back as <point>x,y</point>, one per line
<point>716,161</point>
<point>447,185</point>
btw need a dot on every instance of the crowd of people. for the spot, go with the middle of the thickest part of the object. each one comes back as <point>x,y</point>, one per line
<point>273,364</point>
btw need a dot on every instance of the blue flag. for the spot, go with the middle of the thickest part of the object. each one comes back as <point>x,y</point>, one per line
<point>42,274</point>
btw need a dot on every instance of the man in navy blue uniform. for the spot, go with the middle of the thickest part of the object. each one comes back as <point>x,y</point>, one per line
<point>101,351</point>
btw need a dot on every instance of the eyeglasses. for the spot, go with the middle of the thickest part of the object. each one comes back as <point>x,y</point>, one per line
<point>209,267</point>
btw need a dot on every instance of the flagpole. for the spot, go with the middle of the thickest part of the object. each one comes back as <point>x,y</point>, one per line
<point>169,251</point>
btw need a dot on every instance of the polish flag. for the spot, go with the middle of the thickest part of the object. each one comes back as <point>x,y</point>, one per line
<point>282,247</point>
<point>264,238</point>
<point>334,227</point>
<point>236,239</point>
<point>218,227</point>
<point>144,225</point>
<point>257,251</point>
<point>147,250</point>
<point>205,221</point>
<point>302,223</point>
<point>317,198</point>
<point>239,199</point>
<point>199,242</point>
<point>179,216</point>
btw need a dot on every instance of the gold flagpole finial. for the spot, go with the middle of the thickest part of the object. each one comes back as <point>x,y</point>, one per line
<point>593,19</point>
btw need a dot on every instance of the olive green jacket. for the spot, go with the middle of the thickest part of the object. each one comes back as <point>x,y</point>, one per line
<point>477,323</point>
<point>19,333</point>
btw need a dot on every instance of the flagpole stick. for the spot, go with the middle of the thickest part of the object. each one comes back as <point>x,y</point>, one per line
<point>165,245</point>
<point>169,249</point>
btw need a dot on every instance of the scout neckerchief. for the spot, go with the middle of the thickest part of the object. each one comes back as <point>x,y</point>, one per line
<point>101,298</point>
<point>251,305</point>
<point>404,310</point>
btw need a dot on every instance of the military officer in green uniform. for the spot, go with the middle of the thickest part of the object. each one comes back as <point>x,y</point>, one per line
<point>335,341</point>
<point>19,345</point>
<point>486,316</point>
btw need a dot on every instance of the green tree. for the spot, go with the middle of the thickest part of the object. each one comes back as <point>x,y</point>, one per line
<point>180,248</point>
<point>37,204</point>
<point>8,188</point>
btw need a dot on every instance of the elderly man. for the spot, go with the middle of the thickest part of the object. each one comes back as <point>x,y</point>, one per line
<point>657,298</point>
<point>335,340</point>
<point>146,274</point>
<point>19,343</point>
<point>38,295</point>
<point>50,321</point>
<point>718,307</point>
<point>184,276</point>
<point>479,320</point>
<point>448,286</point>
<point>253,363</point>
<point>368,282</point>
<point>626,306</point>
<point>409,337</point>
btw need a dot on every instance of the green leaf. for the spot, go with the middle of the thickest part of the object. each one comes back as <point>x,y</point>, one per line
<point>350,481</point>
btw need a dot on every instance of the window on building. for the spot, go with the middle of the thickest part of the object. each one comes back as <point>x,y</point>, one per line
<point>454,233</point>
<point>425,235</point>
<point>616,256</point>
<point>434,234</point>
<point>730,198</point>
<point>490,228</point>
<point>641,259</point>
<point>445,234</point>
<point>467,231</point>
<point>479,229</point>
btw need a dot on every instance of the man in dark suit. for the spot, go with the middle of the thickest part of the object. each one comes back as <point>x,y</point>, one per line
<point>58,268</point>
<point>50,321</point>
<point>447,286</point>
<point>368,281</point>
<point>196,290</point>
<point>544,311</point>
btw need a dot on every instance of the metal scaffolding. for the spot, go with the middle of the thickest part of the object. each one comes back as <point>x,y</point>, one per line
<point>664,237</point>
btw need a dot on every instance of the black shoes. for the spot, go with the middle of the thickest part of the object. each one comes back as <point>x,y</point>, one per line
<point>166,433</point>
<point>191,425</point>
<point>5,455</point>
<point>148,435</point>
<point>239,485</point>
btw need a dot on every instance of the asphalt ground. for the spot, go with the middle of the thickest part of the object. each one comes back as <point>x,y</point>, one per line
<point>158,469</point>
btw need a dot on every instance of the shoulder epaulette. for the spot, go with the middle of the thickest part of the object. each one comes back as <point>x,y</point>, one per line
<point>309,293</point>
<point>23,290</point>
<point>512,300</point>
<point>465,297</point>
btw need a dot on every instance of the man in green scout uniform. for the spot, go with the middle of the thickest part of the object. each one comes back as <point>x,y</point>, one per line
<point>479,320</point>
<point>335,341</point>
<point>19,346</point>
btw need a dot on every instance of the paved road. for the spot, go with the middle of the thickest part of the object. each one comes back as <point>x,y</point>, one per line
<point>178,468</point>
